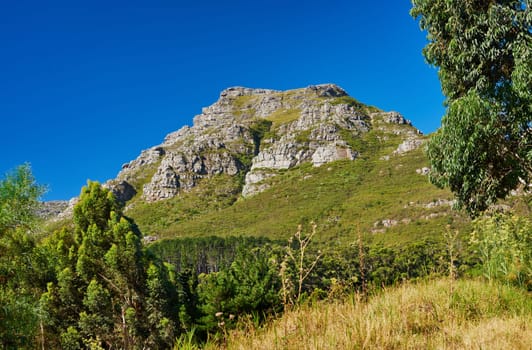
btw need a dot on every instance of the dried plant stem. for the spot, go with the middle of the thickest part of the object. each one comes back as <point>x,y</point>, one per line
<point>297,257</point>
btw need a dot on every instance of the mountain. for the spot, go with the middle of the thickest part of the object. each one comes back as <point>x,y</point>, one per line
<point>259,162</point>
<point>255,132</point>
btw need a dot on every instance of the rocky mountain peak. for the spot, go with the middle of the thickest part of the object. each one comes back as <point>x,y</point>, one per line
<point>327,90</point>
<point>254,133</point>
<point>237,91</point>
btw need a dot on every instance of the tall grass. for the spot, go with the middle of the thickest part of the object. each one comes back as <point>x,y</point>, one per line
<point>476,315</point>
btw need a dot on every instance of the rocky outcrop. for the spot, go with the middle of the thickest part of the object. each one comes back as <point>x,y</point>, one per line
<point>329,153</point>
<point>423,171</point>
<point>123,191</point>
<point>57,210</point>
<point>255,132</point>
<point>408,145</point>
<point>51,209</point>
<point>395,118</point>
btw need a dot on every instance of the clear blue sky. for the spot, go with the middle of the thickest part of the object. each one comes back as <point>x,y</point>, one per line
<point>86,85</point>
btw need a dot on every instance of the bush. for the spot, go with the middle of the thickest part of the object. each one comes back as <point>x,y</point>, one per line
<point>504,245</point>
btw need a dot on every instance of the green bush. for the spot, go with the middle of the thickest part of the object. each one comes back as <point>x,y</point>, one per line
<point>504,245</point>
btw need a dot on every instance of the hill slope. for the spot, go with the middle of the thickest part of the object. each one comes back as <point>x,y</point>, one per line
<point>259,162</point>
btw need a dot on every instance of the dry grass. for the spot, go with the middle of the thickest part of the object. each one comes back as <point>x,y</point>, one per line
<point>422,316</point>
<point>284,116</point>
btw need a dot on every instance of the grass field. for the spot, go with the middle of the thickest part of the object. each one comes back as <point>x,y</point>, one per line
<point>440,314</point>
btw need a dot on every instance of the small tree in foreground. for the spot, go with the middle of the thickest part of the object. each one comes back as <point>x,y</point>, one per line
<point>108,292</point>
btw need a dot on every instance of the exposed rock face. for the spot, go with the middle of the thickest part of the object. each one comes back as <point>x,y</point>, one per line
<point>51,209</point>
<point>408,145</point>
<point>255,132</point>
<point>57,210</point>
<point>395,118</point>
<point>123,191</point>
<point>328,153</point>
<point>315,136</point>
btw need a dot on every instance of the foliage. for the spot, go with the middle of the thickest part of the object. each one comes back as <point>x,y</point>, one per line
<point>19,199</point>
<point>18,319</point>
<point>259,128</point>
<point>249,286</point>
<point>483,149</point>
<point>107,291</point>
<point>95,208</point>
<point>504,243</point>
<point>100,288</point>
<point>387,266</point>
<point>19,195</point>
<point>204,254</point>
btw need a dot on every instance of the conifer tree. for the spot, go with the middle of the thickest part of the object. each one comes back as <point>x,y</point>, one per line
<point>109,292</point>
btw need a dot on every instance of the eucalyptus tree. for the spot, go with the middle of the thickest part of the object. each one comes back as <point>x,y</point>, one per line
<point>483,50</point>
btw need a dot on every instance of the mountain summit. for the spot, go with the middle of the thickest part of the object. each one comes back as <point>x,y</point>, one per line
<point>255,133</point>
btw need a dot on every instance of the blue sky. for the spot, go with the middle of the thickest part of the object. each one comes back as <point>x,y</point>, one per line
<point>86,85</point>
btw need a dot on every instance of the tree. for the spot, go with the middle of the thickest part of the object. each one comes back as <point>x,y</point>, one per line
<point>19,199</point>
<point>249,286</point>
<point>483,49</point>
<point>107,291</point>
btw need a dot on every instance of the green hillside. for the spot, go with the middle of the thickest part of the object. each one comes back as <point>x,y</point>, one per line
<point>340,197</point>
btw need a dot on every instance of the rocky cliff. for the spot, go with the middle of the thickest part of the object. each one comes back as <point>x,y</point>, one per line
<point>255,133</point>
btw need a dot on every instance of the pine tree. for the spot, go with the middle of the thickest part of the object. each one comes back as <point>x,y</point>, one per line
<point>109,293</point>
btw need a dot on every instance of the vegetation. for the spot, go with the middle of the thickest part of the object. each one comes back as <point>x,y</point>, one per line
<point>350,101</point>
<point>483,50</point>
<point>105,290</point>
<point>220,192</point>
<point>424,315</point>
<point>259,129</point>
<point>378,259</point>
<point>504,244</point>
<point>19,194</point>
<point>284,116</point>
<point>338,197</point>
<point>93,284</point>
<point>243,102</point>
